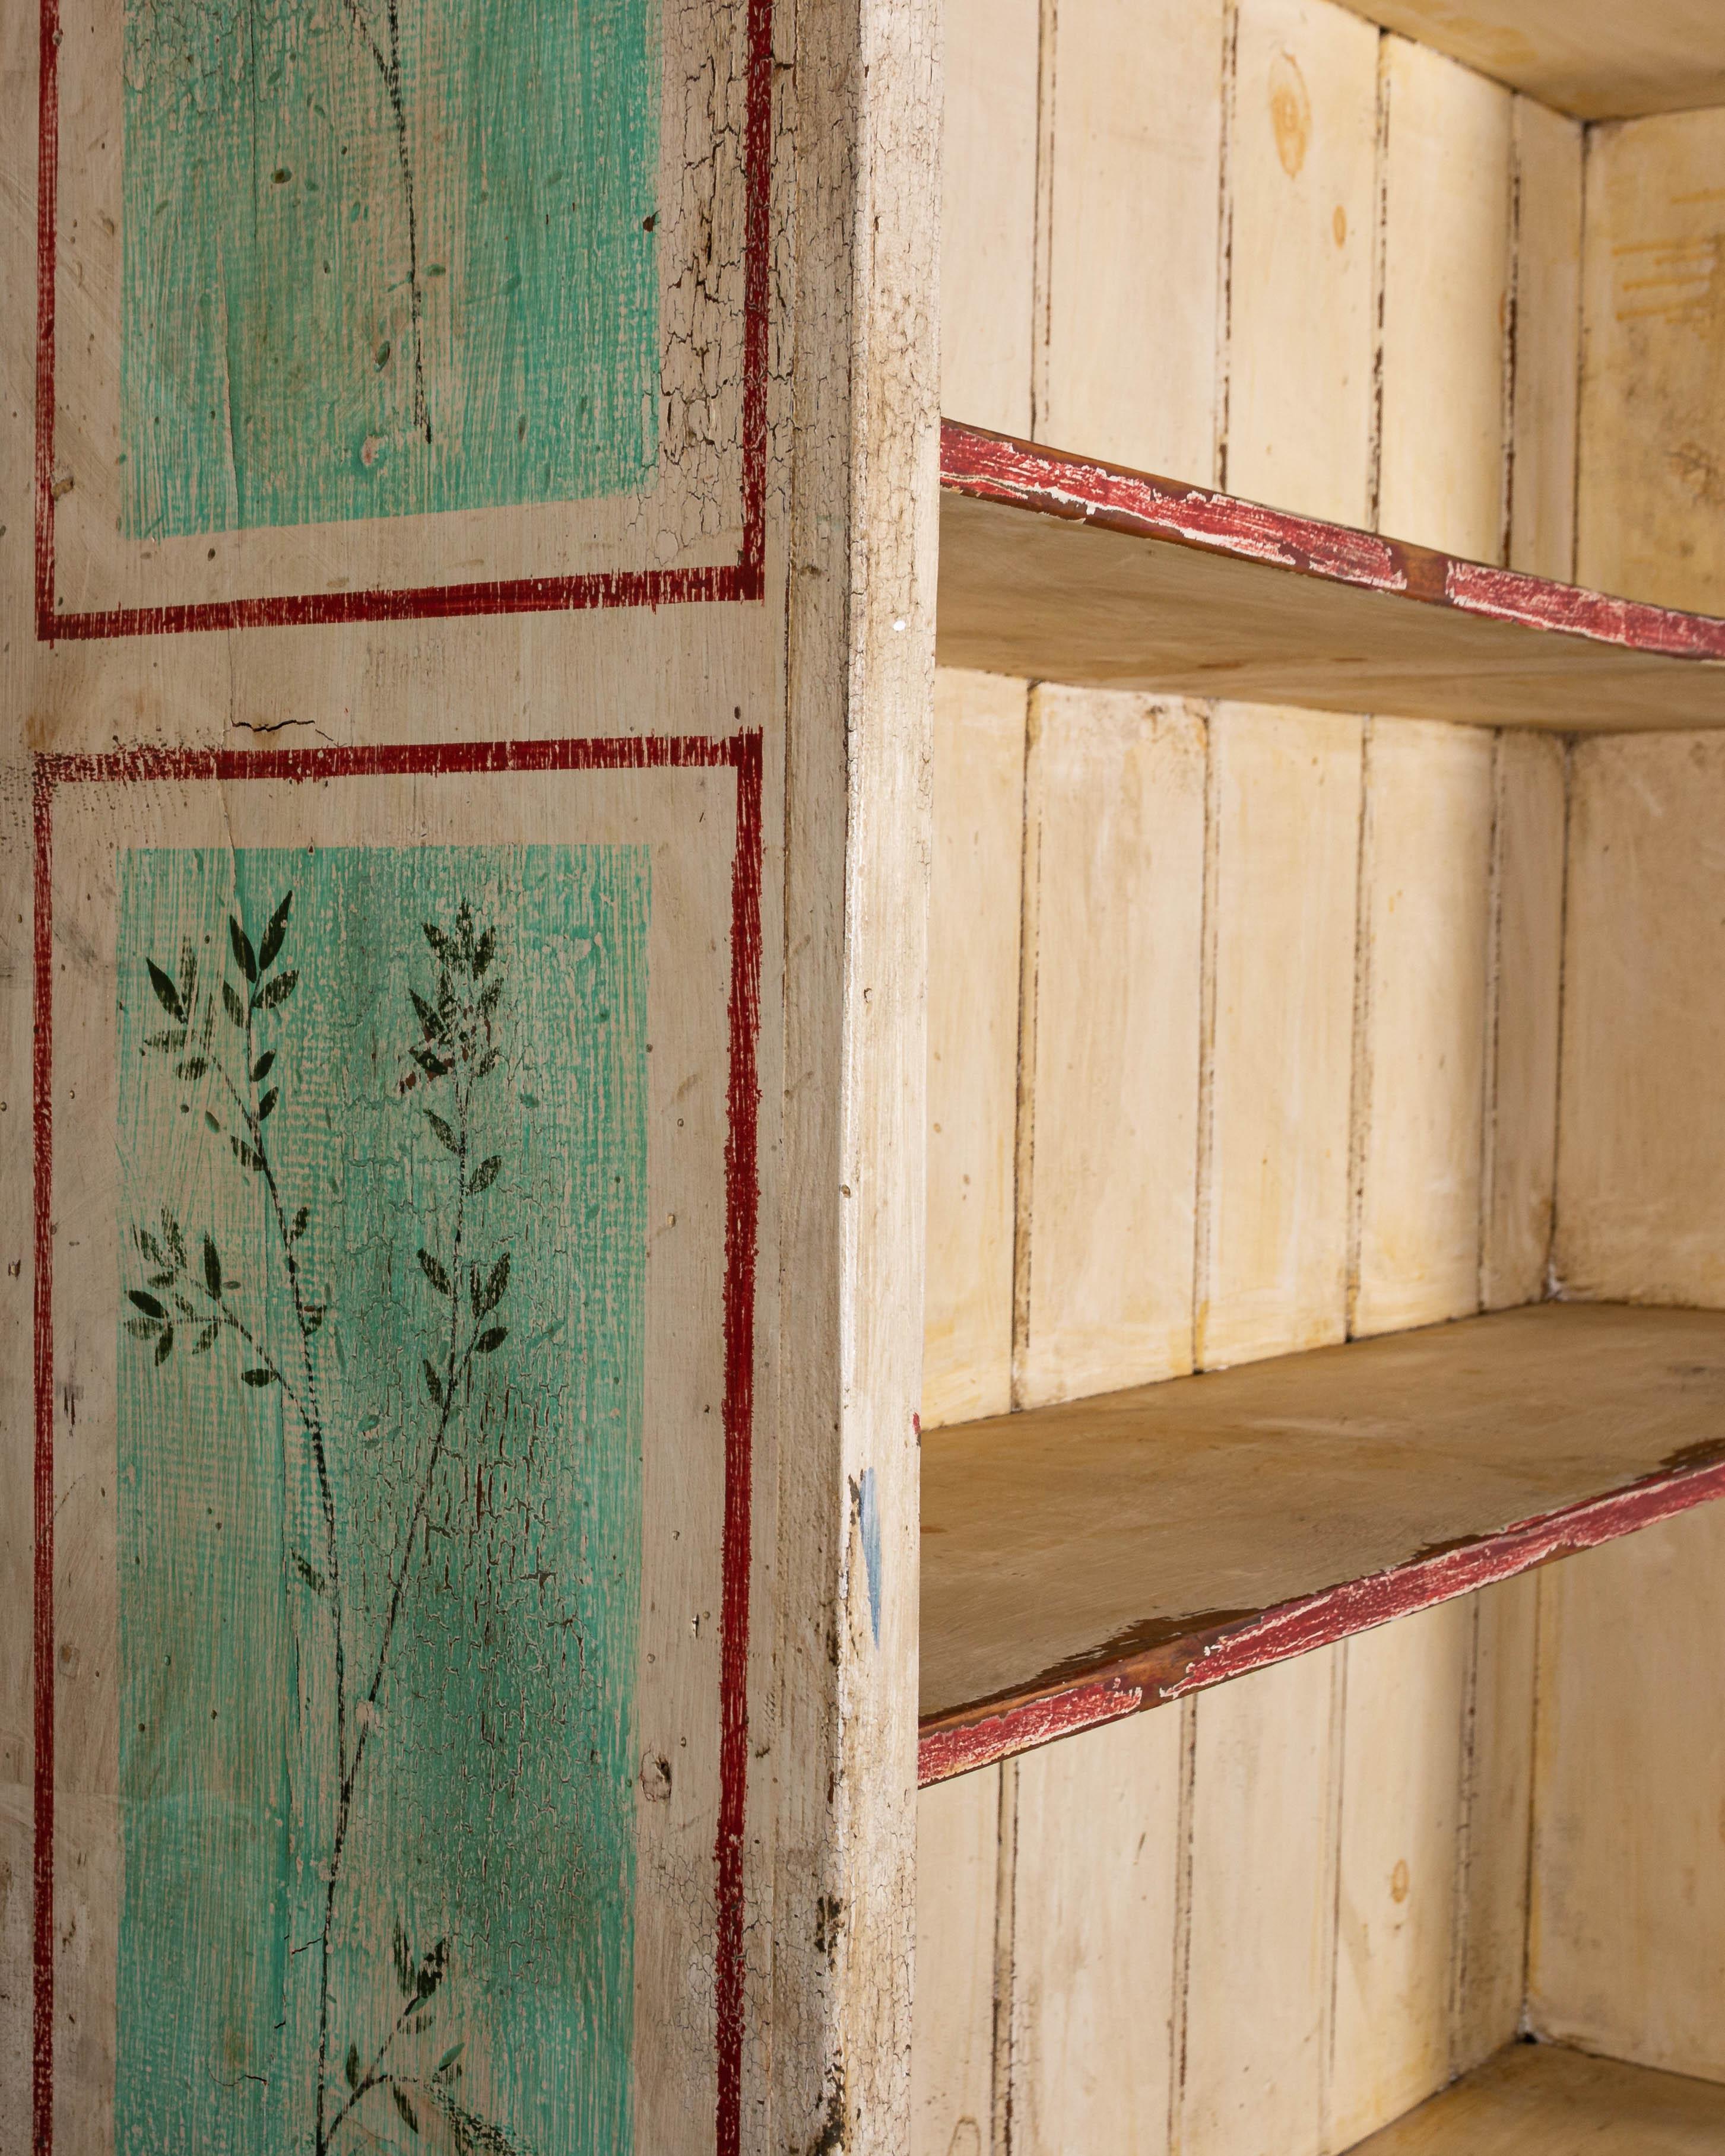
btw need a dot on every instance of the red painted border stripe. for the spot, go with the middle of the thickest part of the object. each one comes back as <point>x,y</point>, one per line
<point>741,582</point>
<point>976,1738</point>
<point>742,754</point>
<point>1022,475</point>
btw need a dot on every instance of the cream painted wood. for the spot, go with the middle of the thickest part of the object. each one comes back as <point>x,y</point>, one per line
<point>1534,2100</point>
<point>1496,1819</point>
<point>1444,266</point>
<point>1302,195</point>
<point>1419,1049</point>
<point>1525,929</point>
<point>1647,516</point>
<point>988,211</point>
<point>978,791</point>
<point>952,2021</point>
<point>1253,2065</point>
<point>1284,842</point>
<point>1115,793</point>
<point>1628,1886</point>
<point>1092,1994</point>
<point>1131,308</point>
<point>1546,354</point>
<point>1594,58</point>
<point>1642,1189</point>
<point>1401,1790</point>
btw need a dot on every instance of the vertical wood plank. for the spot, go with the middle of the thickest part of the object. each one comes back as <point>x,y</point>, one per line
<point>988,211</point>
<point>1641,1178</point>
<point>952,2019</point>
<point>1526,926</point>
<point>1419,1057</point>
<point>1129,313</point>
<point>1263,1901</point>
<point>1116,791</point>
<point>1396,1896</point>
<point>1284,837</point>
<point>1547,354</point>
<point>979,786</point>
<point>1093,1930</point>
<point>1628,1900</point>
<point>1444,250</point>
<point>1653,405</point>
<point>1301,172</point>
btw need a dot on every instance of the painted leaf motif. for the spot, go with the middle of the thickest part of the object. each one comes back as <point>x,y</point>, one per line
<point>450,2058</point>
<point>315,1313</point>
<point>166,994</point>
<point>488,1342</point>
<point>440,944</point>
<point>482,955</point>
<point>175,1041</point>
<point>140,1328</point>
<point>266,1106</point>
<point>352,2049</point>
<point>165,1345</point>
<point>299,1227</point>
<point>202,1345</point>
<point>428,1019</point>
<point>443,1130</point>
<point>485,1175</point>
<point>486,1299</point>
<point>402,1955</point>
<point>260,1069</point>
<point>273,934</point>
<point>408,2117</point>
<point>209,1118</point>
<point>435,1272</point>
<point>260,1376</point>
<point>194,1067</point>
<point>244,957</point>
<point>435,1386</point>
<point>212,1270</point>
<point>232,1004</point>
<point>147,1303</point>
<point>276,991</point>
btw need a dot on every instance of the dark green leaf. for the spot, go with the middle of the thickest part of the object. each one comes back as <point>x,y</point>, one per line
<point>352,2049</point>
<point>165,1345</point>
<point>435,1386</point>
<point>166,994</point>
<point>211,1120</point>
<point>299,1227</point>
<point>443,1130</point>
<point>147,1303</point>
<point>140,1328</point>
<point>260,1069</point>
<point>428,1019</point>
<point>314,1579</point>
<point>175,1041</point>
<point>431,1969</point>
<point>275,992</point>
<point>439,943</point>
<point>245,1156</point>
<point>482,955</point>
<point>488,1342</point>
<point>273,934</point>
<point>193,1067</point>
<point>184,1307</point>
<point>245,956</point>
<point>488,1001</point>
<point>260,1376</point>
<point>148,1244</point>
<point>267,1103</point>
<point>232,1004</point>
<point>404,2107</point>
<point>403,1956</point>
<point>212,1270</point>
<point>449,2059</point>
<point>176,1240</point>
<point>485,1174</point>
<point>486,1299</point>
<point>162,1280</point>
<point>435,1272</point>
<point>204,1338</point>
<point>315,1314</point>
<point>433,1065</point>
<point>487,1064</point>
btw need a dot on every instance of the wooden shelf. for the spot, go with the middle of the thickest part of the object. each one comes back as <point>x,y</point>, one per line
<point>1082,1562</point>
<point>1540,2100</point>
<point>1063,569</point>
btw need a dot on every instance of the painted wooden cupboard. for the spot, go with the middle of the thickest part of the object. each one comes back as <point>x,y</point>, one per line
<point>1322,1000</point>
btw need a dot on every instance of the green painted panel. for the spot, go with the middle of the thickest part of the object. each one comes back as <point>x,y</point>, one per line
<point>386,256</point>
<point>380,1382</point>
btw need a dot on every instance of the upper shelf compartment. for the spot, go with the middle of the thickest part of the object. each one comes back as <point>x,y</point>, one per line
<point>1063,569</point>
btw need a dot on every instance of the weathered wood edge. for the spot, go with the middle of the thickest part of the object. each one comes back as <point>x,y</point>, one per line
<point>997,468</point>
<point>959,1739</point>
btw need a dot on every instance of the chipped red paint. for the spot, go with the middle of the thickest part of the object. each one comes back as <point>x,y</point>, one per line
<point>741,753</point>
<point>974,1736</point>
<point>1022,475</point>
<point>743,580</point>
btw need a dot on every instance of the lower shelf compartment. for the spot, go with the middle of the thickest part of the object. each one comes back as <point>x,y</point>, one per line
<point>1540,2100</point>
<point>1085,1561</point>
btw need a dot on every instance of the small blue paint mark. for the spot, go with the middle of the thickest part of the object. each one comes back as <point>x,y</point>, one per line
<point>868,1511</point>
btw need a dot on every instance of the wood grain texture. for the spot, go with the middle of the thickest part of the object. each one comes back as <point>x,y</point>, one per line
<point>1115,791</point>
<point>952,2028</point>
<point>1546,351</point>
<point>1535,2100</point>
<point>1591,59</point>
<point>979,807</point>
<point>1629,1890</point>
<point>1092,1926</point>
<point>1418,1058</point>
<point>1130,310</point>
<point>1302,201</point>
<point>1445,271</point>
<point>1284,829</point>
<point>988,211</point>
<point>1055,567</point>
<point>1641,1179</point>
<point>1158,1536</point>
<point>1524,993</point>
<point>1653,424</point>
<point>1253,2062</point>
